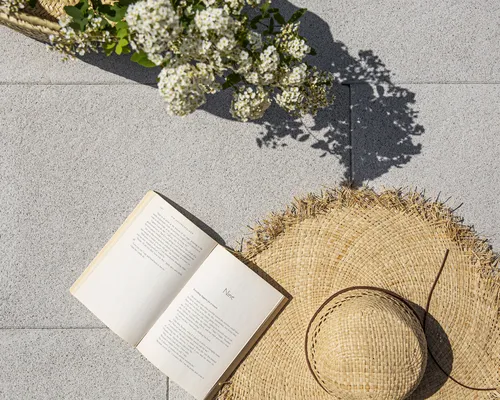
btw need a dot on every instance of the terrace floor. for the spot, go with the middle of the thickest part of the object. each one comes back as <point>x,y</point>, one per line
<point>82,142</point>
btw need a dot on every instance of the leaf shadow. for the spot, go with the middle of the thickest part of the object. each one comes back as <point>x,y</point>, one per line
<point>369,129</point>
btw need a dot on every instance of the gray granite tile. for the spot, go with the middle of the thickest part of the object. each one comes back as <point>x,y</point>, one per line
<point>175,392</point>
<point>26,60</point>
<point>420,41</point>
<point>77,159</point>
<point>452,147</point>
<point>74,364</point>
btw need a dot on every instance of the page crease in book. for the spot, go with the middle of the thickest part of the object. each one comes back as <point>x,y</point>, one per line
<point>184,301</point>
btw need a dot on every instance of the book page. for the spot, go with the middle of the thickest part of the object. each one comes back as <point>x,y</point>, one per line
<point>209,322</point>
<point>142,268</point>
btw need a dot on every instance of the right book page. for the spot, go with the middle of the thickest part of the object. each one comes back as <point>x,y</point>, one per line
<point>209,322</point>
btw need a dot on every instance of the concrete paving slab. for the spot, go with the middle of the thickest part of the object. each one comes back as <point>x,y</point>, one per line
<point>77,159</point>
<point>452,147</point>
<point>27,60</point>
<point>415,41</point>
<point>175,392</point>
<point>420,41</point>
<point>45,364</point>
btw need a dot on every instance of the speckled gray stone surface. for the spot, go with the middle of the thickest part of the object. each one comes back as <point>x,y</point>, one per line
<point>81,142</point>
<point>419,41</point>
<point>452,148</point>
<point>48,364</point>
<point>77,159</point>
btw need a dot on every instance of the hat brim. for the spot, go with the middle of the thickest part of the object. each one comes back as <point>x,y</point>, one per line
<point>395,241</point>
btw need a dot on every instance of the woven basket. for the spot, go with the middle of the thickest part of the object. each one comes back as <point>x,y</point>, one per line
<point>39,22</point>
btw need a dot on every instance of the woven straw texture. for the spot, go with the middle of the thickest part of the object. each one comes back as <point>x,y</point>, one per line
<point>39,22</point>
<point>347,354</point>
<point>396,241</point>
<point>36,23</point>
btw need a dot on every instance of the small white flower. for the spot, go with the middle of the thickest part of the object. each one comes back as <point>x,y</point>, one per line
<point>249,103</point>
<point>184,87</point>
<point>269,60</point>
<point>153,24</point>
<point>294,77</point>
<point>214,20</point>
<point>297,48</point>
<point>290,98</point>
<point>255,40</point>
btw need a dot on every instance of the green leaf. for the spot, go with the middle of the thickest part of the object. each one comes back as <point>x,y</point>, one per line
<point>122,33</point>
<point>296,15</point>
<point>76,26</point>
<point>108,51</point>
<point>141,58</point>
<point>265,7</point>
<point>106,10</point>
<point>121,25</point>
<point>147,63</point>
<point>126,50</point>
<point>199,7</point>
<point>271,26</point>
<point>126,3</point>
<point>312,52</point>
<point>118,49</point>
<point>255,21</point>
<point>83,5</point>
<point>114,13</point>
<point>273,10</point>
<point>137,56</point>
<point>32,3</point>
<point>279,18</point>
<point>73,12</point>
<point>231,79</point>
<point>122,42</point>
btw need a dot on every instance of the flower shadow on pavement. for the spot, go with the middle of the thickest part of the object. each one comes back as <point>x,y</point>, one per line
<point>382,116</point>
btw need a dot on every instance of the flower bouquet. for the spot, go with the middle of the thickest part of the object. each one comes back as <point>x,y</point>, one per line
<point>203,47</point>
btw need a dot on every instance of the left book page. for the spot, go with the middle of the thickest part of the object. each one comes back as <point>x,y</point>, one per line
<point>142,268</point>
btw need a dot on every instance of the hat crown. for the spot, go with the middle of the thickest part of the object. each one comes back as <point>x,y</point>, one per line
<point>364,344</point>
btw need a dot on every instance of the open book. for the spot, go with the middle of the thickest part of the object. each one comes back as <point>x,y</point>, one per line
<point>186,303</point>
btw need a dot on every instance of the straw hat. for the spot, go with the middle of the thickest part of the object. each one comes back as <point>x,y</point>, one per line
<point>360,269</point>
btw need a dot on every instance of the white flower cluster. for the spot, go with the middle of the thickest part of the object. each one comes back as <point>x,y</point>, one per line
<point>206,45</point>
<point>153,25</point>
<point>309,96</point>
<point>215,21</point>
<point>184,87</point>
<point>249,103</point>
<point>71,42</point>
<point>291,43</point>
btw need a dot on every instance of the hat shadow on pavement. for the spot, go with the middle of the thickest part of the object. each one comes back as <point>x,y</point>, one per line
<point>382,116</point>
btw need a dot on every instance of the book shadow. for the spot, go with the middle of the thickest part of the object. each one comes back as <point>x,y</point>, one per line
<point>200,224</point>
<point>371,127</point>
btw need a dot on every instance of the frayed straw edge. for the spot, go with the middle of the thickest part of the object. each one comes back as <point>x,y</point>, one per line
<point>410,202</point>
